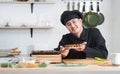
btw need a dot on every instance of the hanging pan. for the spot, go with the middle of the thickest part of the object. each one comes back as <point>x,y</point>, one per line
<point>91,19</point>
<point>101,16</point>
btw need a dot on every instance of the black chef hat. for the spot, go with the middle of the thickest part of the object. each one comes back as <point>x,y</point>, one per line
<point>68,15</point>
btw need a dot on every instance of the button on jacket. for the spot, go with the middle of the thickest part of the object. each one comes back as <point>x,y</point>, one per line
<point>95,44</point>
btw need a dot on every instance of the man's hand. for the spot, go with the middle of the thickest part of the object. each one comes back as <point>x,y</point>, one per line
<point>81,47</point>
<point>64,51</point>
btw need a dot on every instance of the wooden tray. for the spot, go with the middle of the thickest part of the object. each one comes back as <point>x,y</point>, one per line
<point>51,58</point>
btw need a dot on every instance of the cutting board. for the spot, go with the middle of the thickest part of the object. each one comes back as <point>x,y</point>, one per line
<point>86,61</point>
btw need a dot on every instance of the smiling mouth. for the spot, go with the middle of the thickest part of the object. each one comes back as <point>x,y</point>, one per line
<point>73,29</point>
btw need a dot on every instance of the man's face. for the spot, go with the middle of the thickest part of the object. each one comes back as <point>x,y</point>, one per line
<point>74,25</point>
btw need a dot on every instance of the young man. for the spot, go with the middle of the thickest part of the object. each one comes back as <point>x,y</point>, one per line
<point>92,43</point>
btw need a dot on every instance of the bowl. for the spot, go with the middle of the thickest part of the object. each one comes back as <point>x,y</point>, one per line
<point>43,63</point>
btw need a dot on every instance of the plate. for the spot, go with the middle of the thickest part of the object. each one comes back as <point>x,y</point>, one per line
<point>71,65</point>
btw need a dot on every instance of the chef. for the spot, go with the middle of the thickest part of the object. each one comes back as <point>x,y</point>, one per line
<point>92,43</point>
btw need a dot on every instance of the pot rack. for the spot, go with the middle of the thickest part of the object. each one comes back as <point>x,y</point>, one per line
<point>82,0</point>
<point>72,5</point>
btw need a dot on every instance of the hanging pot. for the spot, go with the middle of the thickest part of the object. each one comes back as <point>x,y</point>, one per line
<point>101,16</point>
<point>91,19</point>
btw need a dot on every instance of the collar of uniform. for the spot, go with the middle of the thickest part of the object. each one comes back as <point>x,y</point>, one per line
<point>83,35</point>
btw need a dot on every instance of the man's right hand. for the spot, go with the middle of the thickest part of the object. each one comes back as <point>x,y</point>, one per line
<point>64,51</point>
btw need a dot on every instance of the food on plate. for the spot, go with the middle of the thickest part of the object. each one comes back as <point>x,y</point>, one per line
<point>36,51</point>
<point>27,65</point>
<point>14,49</point>
<point>4,65</point>
<point>14,52</point>
<point>45,52</point>
<point>43,64</point>
<point>99,59</point>
<point>73,45</point>
<point>31,65</point>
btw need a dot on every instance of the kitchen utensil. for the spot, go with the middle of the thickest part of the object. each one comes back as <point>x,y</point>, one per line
<point>31,32</point>
<point>32,5</point>
<point>68,6</point>
<point>91,19</point>
<point>101,16</point>
<point>78,5</point>
<point>14,60</point>
<point>73,5</point>
<point>83,11</point>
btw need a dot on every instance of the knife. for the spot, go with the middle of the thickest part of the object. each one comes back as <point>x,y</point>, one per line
<point>31,32</point>
<point>73,6</point>
<point>68,6</point>
<point>32,7</point>
<point>78,5</point>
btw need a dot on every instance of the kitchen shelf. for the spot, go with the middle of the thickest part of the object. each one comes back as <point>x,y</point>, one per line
<point>27,27</point>
<point>27,2</point>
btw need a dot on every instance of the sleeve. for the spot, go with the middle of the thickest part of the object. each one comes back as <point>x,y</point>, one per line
<point>73,54</point>
<point>62,42</point>
<point>99,49</point>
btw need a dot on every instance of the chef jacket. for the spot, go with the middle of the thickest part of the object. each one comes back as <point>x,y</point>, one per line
<point>95,46</point>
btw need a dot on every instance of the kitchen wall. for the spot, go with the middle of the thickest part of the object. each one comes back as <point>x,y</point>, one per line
<point>115,25</point>
<point>17,14</point>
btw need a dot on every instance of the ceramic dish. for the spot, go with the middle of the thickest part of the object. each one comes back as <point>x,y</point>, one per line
<point>71,65</point>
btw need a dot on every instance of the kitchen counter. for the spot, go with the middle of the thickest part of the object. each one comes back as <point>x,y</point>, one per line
<point>89,66</point>
<point>53,68</point>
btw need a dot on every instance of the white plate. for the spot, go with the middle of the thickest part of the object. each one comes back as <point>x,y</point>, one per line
<point>71,65</point>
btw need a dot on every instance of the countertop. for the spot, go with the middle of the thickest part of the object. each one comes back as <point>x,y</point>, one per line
<point>53,68</point>
<point>78,65</point>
